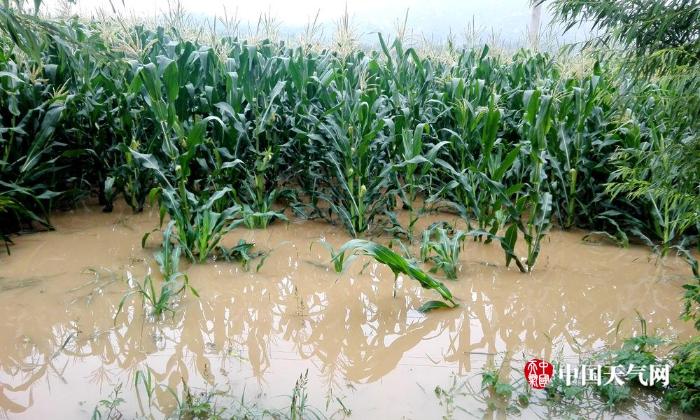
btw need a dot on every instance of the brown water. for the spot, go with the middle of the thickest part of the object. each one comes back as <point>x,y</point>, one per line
<point>253,334</point>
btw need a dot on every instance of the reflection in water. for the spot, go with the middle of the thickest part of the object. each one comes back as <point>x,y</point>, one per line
<point>255,332</point>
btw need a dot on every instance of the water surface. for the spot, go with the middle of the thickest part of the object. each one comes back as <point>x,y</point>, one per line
<point>253,334</point>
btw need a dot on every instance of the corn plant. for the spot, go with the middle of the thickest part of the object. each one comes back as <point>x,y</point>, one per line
<point>28,153</point>
<point>254,101</point>
<point>157,300</point>
<point>168,257</point>
<point>243,252</point>
<point>441,246</point>
<point>580,118</point>
<point>414,168</point>
<point>355,139</point>
<point>528,211</point>
<point>174,282</point>
<point>129,179</point>
<point>536,202</point>
<point>478,191</point>
<point>199,228</point>
<point>396,263</point>
<point>235,133</point>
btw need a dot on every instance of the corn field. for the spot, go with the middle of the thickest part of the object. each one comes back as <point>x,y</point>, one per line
<point>241,134</point>
<point>510,144</point>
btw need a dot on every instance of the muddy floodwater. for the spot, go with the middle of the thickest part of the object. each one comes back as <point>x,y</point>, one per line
<point>368,354</point>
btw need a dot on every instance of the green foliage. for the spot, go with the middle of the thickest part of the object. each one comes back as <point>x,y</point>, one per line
<point>146,380</point>
<point>396,263</point>
<point>652,172</point>
<point>664,33</point>
<point>559,391</point>
<point>209,403</point>
<point>476,171</point>
<point>657,161</point>
<point>110,406</point>
<point>491,383</point>
<point>197,406</point>
<point>414,168</point>
<point>174,282</point>
<point>684,387</point>
<point>168,257</point>
<point>243,252</point>
<point>157,301</point>
<point>507,144</point>
<point>691,302</point>
<point>501,392</point>
<point>628,364</point>
<point>199,227</point>
<point>441,246</point>
<point>299,407</point>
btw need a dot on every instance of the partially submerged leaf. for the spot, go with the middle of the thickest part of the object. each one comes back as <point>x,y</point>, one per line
<point>432,304</point>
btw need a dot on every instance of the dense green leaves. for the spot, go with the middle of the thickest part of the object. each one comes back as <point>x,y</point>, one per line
<point>512,146</point>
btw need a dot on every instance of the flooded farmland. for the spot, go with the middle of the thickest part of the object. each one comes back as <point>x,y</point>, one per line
<point>250,335</point>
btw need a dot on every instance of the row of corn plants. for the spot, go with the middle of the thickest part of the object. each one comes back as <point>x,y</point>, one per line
<point>247,134</point>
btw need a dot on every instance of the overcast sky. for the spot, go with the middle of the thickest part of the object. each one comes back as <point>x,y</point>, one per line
<point>508,19</point>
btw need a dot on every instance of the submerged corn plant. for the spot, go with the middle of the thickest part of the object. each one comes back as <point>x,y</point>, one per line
<point>579,120</point>
<point>254,99</point>
<point>537,201</point>
<point>199,228</point>
<point>159,299</point>
<point>225,133</point>
<point>529,212</point>
<point>168,256</point>
<point>243,252</point>
<point>441,246</point>
<point>396,263</point>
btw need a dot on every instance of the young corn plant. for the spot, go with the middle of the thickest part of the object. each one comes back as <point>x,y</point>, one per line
<point>199,229</point>
<point>243,252</point>
<point>441,246</point>
<point>159,300</point>
<point>396,263</point>
<point>168,256</point>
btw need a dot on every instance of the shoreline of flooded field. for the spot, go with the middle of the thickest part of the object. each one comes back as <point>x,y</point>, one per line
<point>253,334</point>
